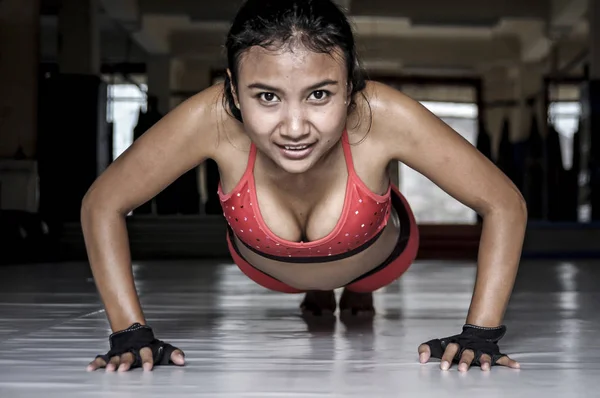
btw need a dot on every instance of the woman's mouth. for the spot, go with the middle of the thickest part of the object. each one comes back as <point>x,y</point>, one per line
<point>296,152</point>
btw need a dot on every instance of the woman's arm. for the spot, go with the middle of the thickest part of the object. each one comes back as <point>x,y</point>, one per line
<point>177,143</point>
<point>498,261</point>
<point>429,146</point>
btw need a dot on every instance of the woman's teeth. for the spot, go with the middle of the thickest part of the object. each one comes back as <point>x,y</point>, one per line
<point>295,148</point>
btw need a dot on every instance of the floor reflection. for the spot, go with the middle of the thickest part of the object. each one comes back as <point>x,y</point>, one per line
<point>243,341</point>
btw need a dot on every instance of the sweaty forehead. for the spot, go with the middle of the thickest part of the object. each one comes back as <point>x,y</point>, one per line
<point>289,65</point>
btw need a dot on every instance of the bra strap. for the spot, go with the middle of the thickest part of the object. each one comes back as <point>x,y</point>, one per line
<point>249,173</point>
<point>348,153</point>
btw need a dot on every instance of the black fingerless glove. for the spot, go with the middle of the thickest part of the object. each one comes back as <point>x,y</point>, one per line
<point>133,339</point>
<point>479,339</point>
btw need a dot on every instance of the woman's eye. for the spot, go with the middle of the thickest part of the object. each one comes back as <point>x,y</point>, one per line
<point>268,97</point>
<point>319,94</point>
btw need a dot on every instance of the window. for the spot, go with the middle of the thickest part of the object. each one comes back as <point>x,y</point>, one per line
<point>430,204</point>
<point>125,102</point>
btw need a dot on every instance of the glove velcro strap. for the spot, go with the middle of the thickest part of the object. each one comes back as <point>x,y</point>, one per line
<point>488,334</point>
<point>131,339</point>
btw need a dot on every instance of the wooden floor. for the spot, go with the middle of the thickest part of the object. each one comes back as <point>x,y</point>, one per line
<point>243,341</point>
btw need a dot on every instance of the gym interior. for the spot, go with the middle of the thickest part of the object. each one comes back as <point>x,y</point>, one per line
<point>83,79</point>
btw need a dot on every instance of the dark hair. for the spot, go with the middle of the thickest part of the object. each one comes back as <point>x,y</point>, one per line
<point>319,25</point>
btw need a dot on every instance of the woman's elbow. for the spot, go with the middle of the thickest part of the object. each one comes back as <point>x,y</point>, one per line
<point>509,204</point>
<point>516,203</point>
<point>94,202</point>
<point>522,207</point>
<point>91,201</point>
<point>512,206</point>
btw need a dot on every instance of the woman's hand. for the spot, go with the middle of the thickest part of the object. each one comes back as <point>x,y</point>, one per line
<point>475,346</point>
<point>126,361</point>
<point>136,347</point>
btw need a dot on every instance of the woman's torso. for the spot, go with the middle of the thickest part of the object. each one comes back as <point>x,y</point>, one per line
<point>310,208</point>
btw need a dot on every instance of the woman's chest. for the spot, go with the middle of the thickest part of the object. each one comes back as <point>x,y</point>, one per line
<point>305,211</point>
<point>301,215</point>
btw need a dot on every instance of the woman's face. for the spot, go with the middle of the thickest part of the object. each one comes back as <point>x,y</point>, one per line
<point>293,102</point>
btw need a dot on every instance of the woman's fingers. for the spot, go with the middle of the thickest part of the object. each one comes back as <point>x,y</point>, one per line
<point>124,362</point>
<point>506,361</point>
<point>465,360</point>
<point>127,360</point>
<point>158,351</point>
<point>424,353</point>
<point>449,355</point>
<point>178,357</point>
<point>96,364</point>
<point>113,364</point>
<point>147,359</point>
<point>485,361</point>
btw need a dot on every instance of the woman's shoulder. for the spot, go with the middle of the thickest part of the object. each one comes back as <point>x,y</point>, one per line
<point>382,97</point>
<point>207,103</point>
<point>208,111</point>
<point>379,109</point>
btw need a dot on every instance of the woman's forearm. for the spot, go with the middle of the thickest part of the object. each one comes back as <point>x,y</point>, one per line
<point>107,244</point>
<point>498,262</point>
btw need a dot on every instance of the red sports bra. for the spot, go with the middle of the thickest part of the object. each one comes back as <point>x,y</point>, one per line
<point>363,218</point>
